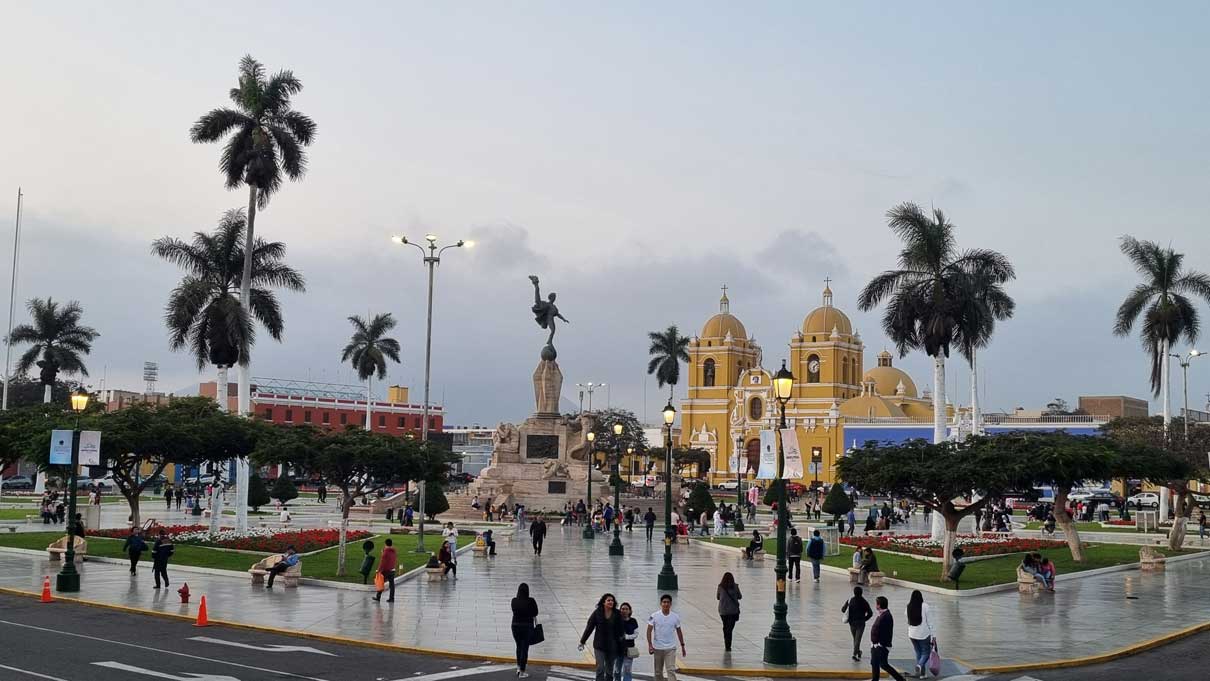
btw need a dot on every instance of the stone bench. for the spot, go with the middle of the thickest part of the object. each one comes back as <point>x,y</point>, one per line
<point>435,574</point>
<point>10,528</point>
<point>1150,561</point>
<point>1027,583</point>
<point>29,519</point>
<point>261,568</point>
<point>881,533</point>
<point>876,578</point>
<point>56,550</point>
<point>479,547</point>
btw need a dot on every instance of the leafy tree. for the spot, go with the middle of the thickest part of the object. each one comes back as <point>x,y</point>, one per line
<point>837,503</point>
<point>284,490</point>
<point>435,502</point>
<point>58,337</point>
<point>668,349</point>
<point>772,491</point>
<point>369,349</point>
<point>700,500</point>
<point>258,492</point>
<point>935,475</point>
<point>267,137</point>
<point>203,314</point>
<point>609,443</point>
<point>984,304</point>
<point>24,391</point>
<point>686,457</point>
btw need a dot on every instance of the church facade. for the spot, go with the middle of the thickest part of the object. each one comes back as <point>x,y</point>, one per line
<point>730,393</point>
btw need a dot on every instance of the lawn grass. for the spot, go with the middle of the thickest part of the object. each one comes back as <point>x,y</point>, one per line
<point>1085,527</point>
<point>742,542</point>
<point>197,556</point>
<point>19,513</point>
<point>322,565</point>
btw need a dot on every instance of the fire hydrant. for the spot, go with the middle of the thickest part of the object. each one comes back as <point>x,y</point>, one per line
<point>184,592</point>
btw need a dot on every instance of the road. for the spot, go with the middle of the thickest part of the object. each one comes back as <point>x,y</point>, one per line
<point>1183,660</point>
<point>62,641</point>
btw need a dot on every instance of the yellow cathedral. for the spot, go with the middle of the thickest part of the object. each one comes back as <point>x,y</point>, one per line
<point>731,399</point>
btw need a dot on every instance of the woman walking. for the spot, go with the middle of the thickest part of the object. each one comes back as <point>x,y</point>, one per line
<point>728,596</point>
<point>630,632</point>
<point>857,612</point>
<point>920,631</point>
<point>605,627</point>
<point>525,610</point>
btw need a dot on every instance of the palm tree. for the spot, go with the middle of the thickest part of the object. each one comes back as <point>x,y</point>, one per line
<point>1168,314</point>
<point>57,336</point>
<point>668,350</point>
<point>267,138</point>
<point>203,314</point>
<point>369,349</point>
<point>988,304</point>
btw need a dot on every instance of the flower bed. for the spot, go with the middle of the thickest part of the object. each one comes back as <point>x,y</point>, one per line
<point>1118,522</point>
<point>972,545</point>
<point>263,540</point>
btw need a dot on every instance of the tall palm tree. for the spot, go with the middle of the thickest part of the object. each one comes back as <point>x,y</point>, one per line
<point>267,139</point>
<point>203,314</point>
<point>369,349</point>
<point>57,337</point>
<point>668,350</point>
<point>987,304</point>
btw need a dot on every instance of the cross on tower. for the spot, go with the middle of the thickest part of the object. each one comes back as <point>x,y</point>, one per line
<point>724,289</point>
<point>827,282</point>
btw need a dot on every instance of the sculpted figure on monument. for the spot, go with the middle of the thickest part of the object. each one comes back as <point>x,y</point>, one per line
<point>545,314</point>
<point>554,469</point>
<point>577,435</point>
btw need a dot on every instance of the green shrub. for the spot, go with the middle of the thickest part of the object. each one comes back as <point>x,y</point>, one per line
<point>700,500</point>
<point>435,502</point>
<point>837,503</point>
<point>284,489</point>
<point>258,493</point>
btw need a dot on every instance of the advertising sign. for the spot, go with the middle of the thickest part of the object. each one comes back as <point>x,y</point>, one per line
<point>90,448</point>
<point>789,443</point>
<point>60,447</point>
<point>768,455</point>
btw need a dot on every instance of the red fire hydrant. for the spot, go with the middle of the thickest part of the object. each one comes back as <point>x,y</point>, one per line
<point>184,592</point>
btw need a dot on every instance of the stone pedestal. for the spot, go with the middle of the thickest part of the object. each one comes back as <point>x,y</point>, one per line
<point>548,386</point>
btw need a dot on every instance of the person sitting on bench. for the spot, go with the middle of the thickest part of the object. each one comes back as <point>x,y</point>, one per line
<point>289,560</point>
<point>756,544</point>
<point>489,542</point>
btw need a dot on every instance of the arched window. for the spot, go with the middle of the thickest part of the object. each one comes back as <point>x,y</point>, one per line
<point>756,409</point>
<point>708,373</point>
<point>813,369</point>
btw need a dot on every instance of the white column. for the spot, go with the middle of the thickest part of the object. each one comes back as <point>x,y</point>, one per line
<point>940,421</point>
<point>1165,390</point>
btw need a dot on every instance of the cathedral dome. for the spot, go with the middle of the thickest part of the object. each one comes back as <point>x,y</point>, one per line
<point>822,320</point>
<point>888,379</point>
<point>724,323</point>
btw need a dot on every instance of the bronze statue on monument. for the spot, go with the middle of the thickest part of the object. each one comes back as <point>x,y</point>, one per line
<point>545,314</point>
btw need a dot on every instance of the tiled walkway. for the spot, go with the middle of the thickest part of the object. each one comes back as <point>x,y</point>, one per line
<point>1086,616</point>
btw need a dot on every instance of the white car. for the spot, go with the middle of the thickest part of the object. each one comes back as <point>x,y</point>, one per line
<point>729,485</point>
<point>1149,499</point>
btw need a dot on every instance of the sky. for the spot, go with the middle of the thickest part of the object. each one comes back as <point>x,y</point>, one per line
<point>635,156</point>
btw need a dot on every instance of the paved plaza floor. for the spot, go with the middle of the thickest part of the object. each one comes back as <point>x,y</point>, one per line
<point>1085,617</point>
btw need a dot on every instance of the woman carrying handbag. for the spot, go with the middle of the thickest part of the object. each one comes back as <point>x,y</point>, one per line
<point>525,630</point>
<point>630,629</point>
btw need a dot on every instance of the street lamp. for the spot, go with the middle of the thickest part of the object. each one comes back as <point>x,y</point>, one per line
<point>588,387</point>
<point>780,646</point>
<point>667,581</point>
<point>630,468</point>
<point>588,532</point>
<point>615,546</point>
<point>431,259</point>
<point>68,578</point>
<point>739,486</point>
<point>1184,361</point>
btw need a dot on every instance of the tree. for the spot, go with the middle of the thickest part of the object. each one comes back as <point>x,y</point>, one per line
<point>284,490</point>
<point>369,349</point>
<point>609,443</point>
<point>935,474</point>
<point>1057,407</point>
<point>435,502</point>
<point>353,461</point>
<point>668,349</point>
<point>700,500</point>
<point>267,138</point>
<point>58,337</point>
<point>985,304</point>
<point>258,492</point>
<point>203,314</point>
<point>24,391</point>
<point>1150,435</point>
<point>686,457</point>
<point>837,503</point>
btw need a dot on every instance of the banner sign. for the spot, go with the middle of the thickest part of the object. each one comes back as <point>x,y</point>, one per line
<point>789,443</point>
<point>60,447</point>
<point>90,448</point>
<point>768,455</point>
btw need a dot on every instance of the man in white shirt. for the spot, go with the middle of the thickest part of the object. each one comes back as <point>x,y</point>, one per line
<point>663,634</point>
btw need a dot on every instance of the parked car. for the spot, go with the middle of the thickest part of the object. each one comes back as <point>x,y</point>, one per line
<point>1201,500</point>
<point>84,482</point>
<point>729,485</point>
<point>462,478</point>
<point>1144,499</point>
<point>18,482</point>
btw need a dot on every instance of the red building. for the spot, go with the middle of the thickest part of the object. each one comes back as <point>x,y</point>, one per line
<point>330,405</point>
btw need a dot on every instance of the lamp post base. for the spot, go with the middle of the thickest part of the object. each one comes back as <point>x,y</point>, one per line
<point>616,548</point>
<point>67,582</point>
<point>782,651</point>
<point>588,532</point>
<point>666,581</point>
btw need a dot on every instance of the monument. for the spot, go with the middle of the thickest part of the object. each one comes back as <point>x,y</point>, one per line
<point>543,462</point>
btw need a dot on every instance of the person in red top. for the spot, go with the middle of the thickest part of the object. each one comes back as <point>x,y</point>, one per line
<point>386,566</point>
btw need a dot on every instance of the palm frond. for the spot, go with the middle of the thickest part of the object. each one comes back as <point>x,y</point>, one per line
<point>1130,308</point>
<point>215,124</point>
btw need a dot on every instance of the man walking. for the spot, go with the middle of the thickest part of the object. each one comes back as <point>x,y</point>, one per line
<point>663,634</point>
<point>649,522</point>
<point>160,552</point>
<point>168,497</point>
<point>180,496</point>
<point>815,551</point>
<point>386,566</point>
<point>134,547</point>
<point>794,556</point>
<point>881,633</point>
<point>537,532</point>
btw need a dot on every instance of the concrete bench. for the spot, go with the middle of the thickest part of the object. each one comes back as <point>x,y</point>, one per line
<point>876,578</point>
<point>479,548</point>
<point>261,568</point>
<point>56,550</point>
<point>881,533</point>
<point>1027,583</point>
<point>1150,561</point>
<point>10,528</point>
<point>435,574</point>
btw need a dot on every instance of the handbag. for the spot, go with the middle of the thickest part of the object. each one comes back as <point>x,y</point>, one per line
<point>934,665</point>
<point>380,582</point>
<point>844,617</point>
<point>632,652</point>
<point>537,635</point>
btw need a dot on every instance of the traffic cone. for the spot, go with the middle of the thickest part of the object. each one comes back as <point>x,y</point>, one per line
<point>202,621</point>
<point>46,590</point>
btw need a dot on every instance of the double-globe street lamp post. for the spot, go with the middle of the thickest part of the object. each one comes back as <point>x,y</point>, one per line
<point>68,578</point>
<point>588,532</point>
<point>431,260</point>
<point>667,580</point>
<point>1184,361</point>
<point>780,646</point>
<point>615,546</point>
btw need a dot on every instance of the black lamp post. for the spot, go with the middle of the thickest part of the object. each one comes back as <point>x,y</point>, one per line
<point>588,532</point>
<point>780,646</point>
<point>667,580</point>
<point>68,578</point>
<point>615,546</point>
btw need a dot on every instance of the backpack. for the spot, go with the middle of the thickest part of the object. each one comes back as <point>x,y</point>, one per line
<point>795,547</point>
<point>815,548</point>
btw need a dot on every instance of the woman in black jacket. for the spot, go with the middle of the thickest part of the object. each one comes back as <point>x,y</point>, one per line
<point>857,612</point>
<point>525,609</point>
<point>605,626</point>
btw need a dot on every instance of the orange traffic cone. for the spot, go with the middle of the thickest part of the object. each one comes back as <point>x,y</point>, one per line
<point>46,590</point>
<point>202,621</point>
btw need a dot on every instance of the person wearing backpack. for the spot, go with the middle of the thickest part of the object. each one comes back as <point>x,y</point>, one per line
<point>815,551</point>
<point>794,556</point>
<point>856,613</point>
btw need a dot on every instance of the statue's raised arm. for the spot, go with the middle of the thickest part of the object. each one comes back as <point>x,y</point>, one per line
<point>545,314</point>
